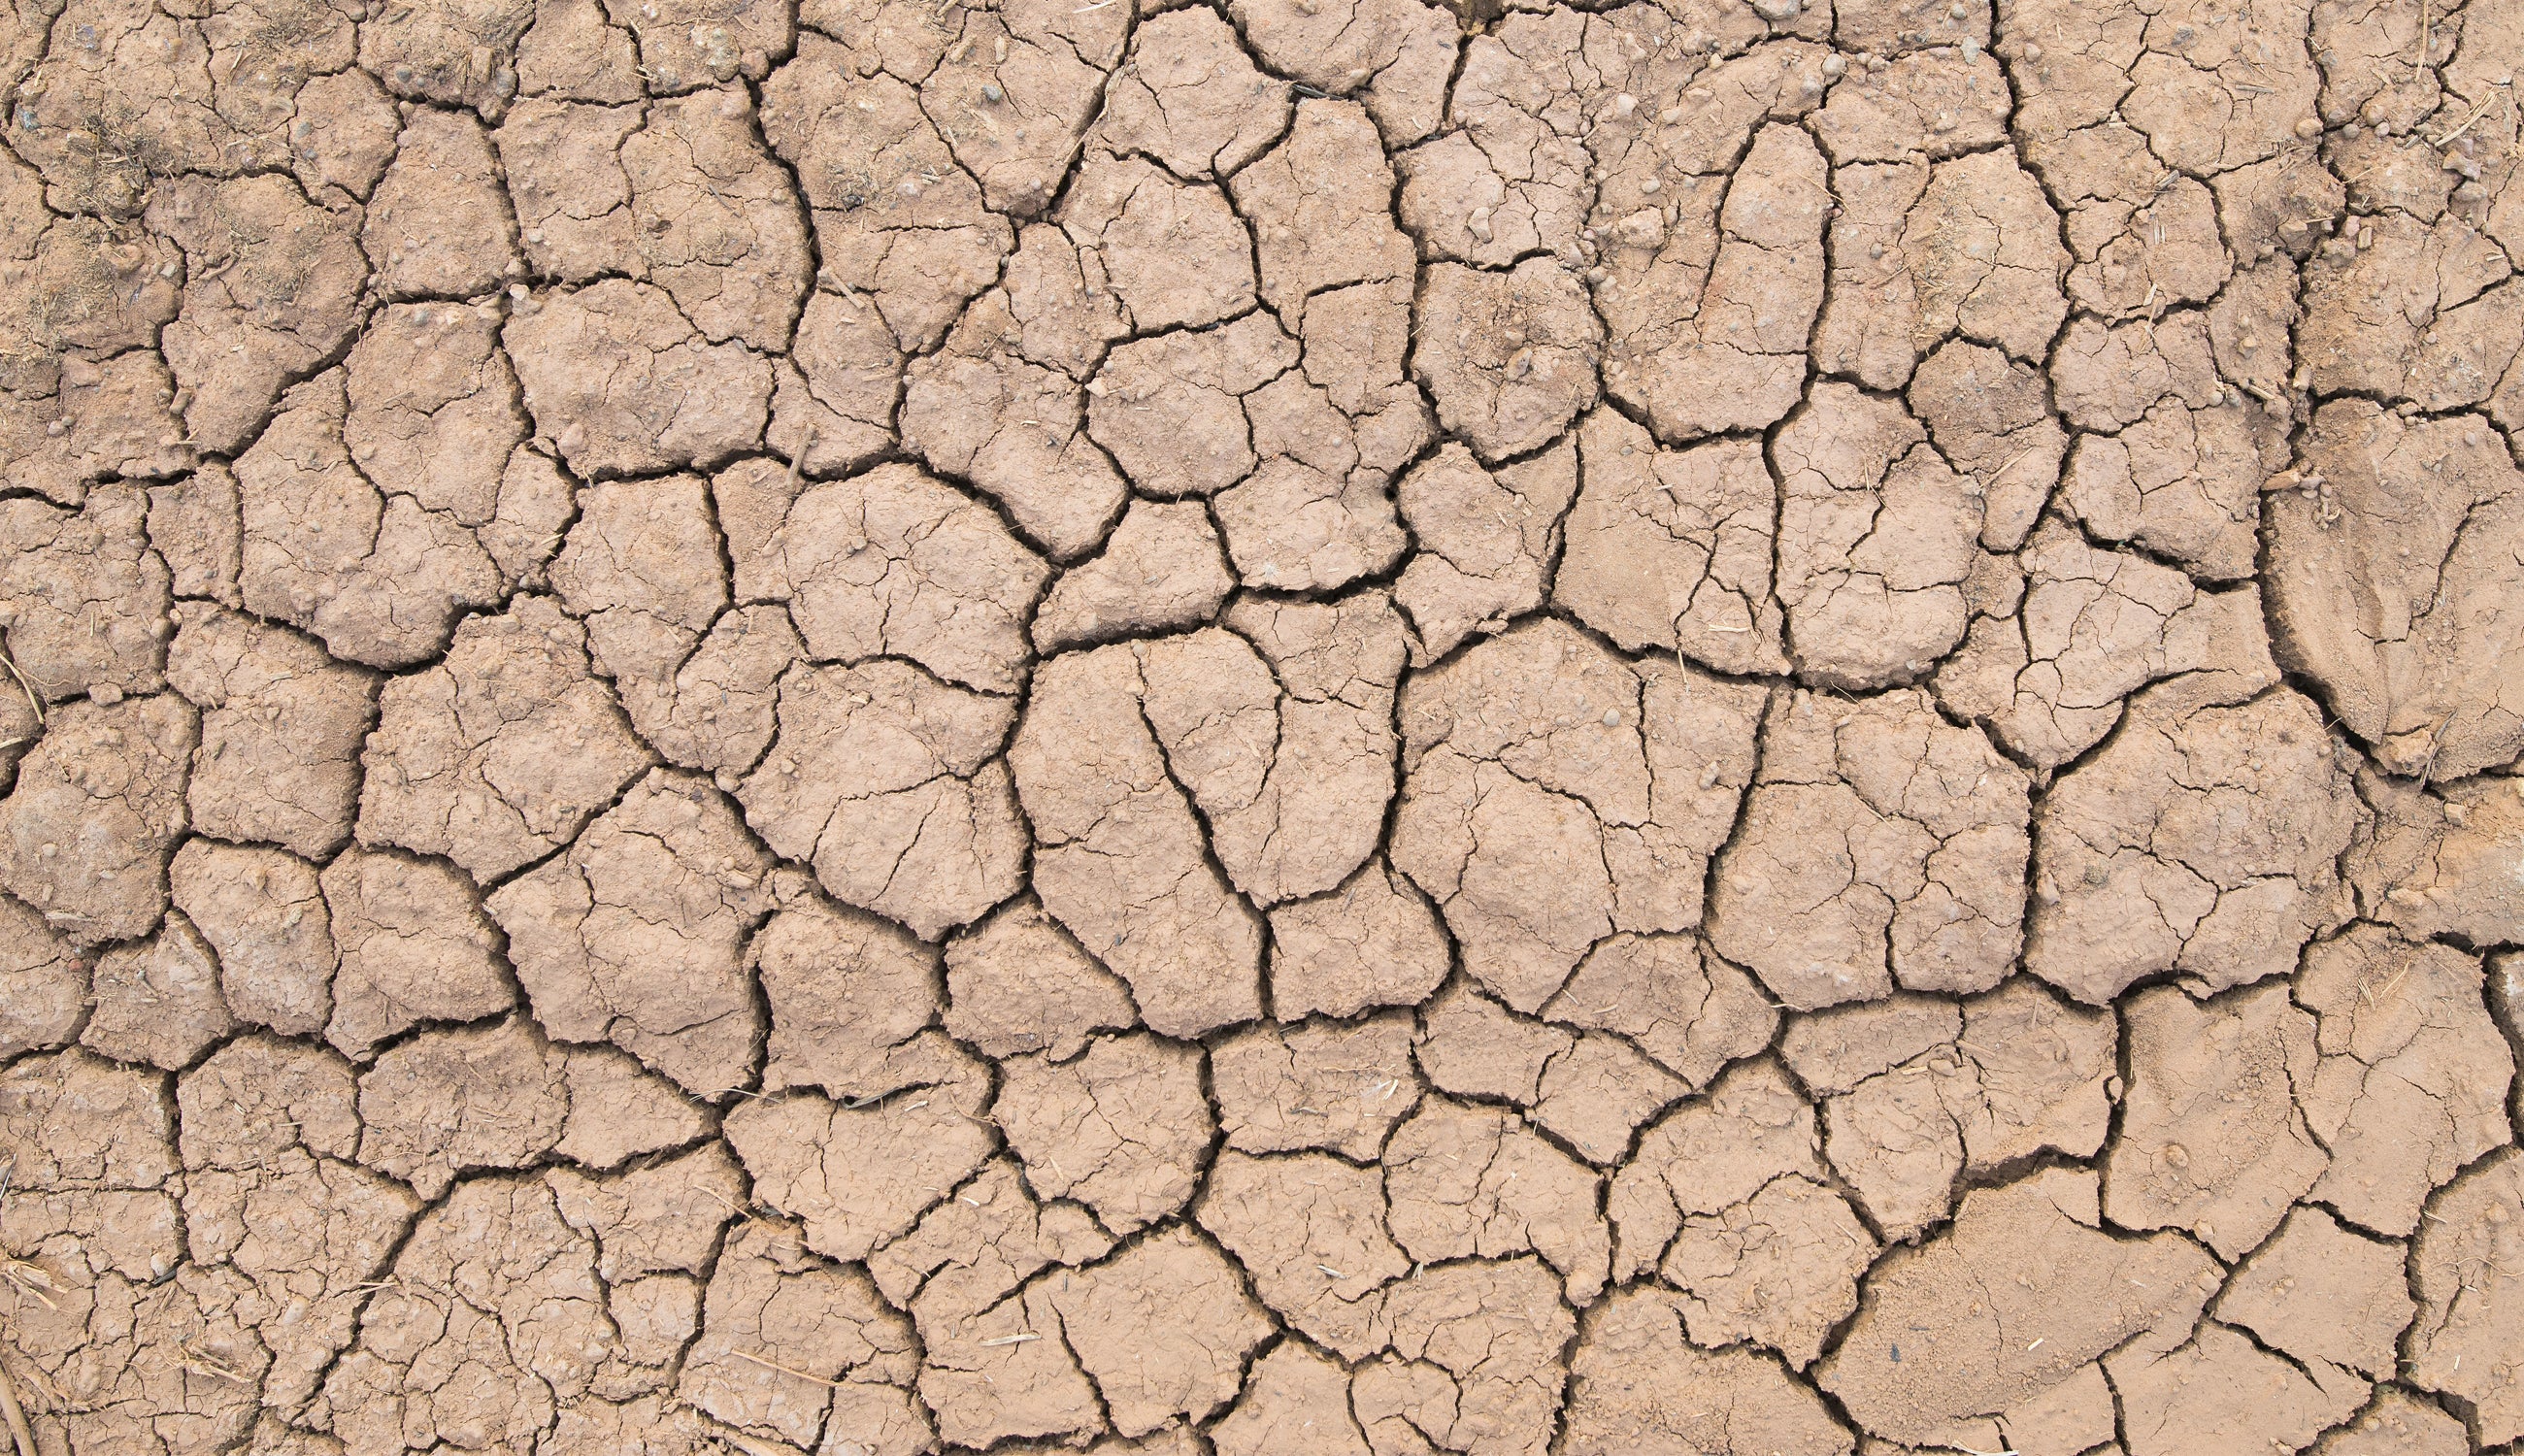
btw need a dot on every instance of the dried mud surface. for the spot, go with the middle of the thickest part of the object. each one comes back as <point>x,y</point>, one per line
<point>1262,728</point>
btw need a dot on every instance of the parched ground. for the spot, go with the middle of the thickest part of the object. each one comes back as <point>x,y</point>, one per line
<point>1274,728</point>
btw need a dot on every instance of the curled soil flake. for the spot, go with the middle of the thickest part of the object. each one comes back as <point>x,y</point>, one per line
<point>1311,1231</point>
<point>1373,942</point>
<point>1120,860</point>
<point>2471,1298</point>
<point>892,562</point>
<point>1465,1181</point>
<point>413,946</point>
<point>2415,1074</point>
<point>449,1101</point>
<point>1340,1088</point>
<point>281,728</point>
<point>624,383</point>
<point>637,933</point>
<point>861,1177</point>
<point>437,226</point>
<point>1018,982</point>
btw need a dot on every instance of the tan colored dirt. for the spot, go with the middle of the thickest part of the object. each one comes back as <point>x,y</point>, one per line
<point>1262,727</point>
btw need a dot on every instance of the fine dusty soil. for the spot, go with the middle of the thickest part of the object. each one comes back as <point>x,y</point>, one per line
<point>1261,728</point>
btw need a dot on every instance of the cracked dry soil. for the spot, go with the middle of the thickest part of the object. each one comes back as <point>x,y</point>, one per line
<point>1274,728</point>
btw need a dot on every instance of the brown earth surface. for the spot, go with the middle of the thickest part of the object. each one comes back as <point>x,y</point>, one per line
<point>1261,727</point>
